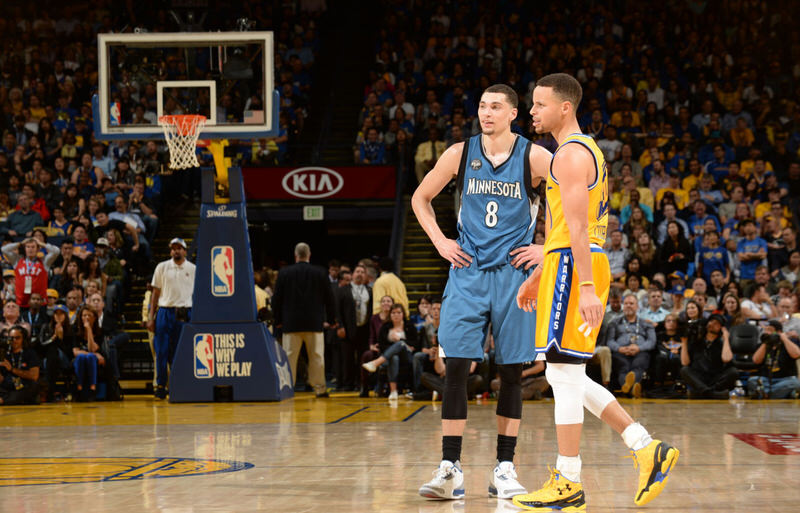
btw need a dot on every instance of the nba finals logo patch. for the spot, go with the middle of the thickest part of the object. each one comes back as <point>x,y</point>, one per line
<point>204,355</point>
<point>222,271</point>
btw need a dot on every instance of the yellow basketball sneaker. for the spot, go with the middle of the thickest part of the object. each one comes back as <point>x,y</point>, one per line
<point>654,462</point>
<point>557,493</point>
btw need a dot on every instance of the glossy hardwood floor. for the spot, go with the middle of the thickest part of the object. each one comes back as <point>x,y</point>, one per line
<point>347,454</point>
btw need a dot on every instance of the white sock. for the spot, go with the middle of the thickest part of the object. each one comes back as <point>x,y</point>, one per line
<point>636,437</point>
<point>570,467</point>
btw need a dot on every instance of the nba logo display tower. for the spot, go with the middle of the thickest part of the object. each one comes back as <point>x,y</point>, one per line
<point>224,345</point>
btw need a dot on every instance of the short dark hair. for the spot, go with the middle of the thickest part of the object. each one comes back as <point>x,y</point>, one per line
<point>511,95</point>
<point>565,86</point>
<point>386,264</point>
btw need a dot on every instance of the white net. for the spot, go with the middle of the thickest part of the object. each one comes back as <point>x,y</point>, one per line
<point>181,133</point>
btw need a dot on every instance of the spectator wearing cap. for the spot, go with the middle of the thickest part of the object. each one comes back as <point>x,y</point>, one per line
<point>676,293</point>
<point>171,307</point>
<point>631,339</point>
<point>52,298</point>
<point>777,377</point>
<point>706,359</point>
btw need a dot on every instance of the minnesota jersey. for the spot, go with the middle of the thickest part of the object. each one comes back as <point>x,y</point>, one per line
<point>498,205</point>
<point>556,225</point>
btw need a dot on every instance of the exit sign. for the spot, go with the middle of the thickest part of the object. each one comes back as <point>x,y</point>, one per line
<point>313,213</point>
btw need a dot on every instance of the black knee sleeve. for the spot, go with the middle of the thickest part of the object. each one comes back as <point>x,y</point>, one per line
<point>454,399</point>
<point>509,399</point>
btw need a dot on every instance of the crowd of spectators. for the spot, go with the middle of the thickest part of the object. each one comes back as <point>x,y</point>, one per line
<point>695,109</point>
<point>78,216</point>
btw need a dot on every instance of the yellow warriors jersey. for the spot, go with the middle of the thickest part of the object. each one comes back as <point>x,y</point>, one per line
<point>555,223</point>
<point>559,325</point>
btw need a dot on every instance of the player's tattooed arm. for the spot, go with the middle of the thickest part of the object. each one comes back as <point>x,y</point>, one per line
<point>443,172</point>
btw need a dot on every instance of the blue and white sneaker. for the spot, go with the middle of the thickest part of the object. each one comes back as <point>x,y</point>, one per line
<point>447,482</point>
<point>503,482</point>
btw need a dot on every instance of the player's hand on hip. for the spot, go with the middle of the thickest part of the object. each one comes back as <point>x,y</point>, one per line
<point>526,295</point>
<point>590,307</point>
<point>453,253</point>
<point>527,256</point>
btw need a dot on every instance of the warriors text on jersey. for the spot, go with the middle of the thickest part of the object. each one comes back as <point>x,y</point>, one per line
<point>498,206</point>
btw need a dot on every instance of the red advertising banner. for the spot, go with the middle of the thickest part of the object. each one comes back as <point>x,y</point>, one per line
<point>319,183</point>
<point>772,443</point>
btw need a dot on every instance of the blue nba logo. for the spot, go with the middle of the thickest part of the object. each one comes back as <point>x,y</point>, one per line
<point>222,271</point>
<point>204,355</point>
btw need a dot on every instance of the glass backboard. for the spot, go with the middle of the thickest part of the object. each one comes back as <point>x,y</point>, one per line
<point>225,76</point>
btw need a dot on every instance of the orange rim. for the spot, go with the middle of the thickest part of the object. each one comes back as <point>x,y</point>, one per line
<point>185,124</point>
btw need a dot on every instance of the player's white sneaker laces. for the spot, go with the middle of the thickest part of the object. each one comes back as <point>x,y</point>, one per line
<point>447,482</point>
<point>503,482</point>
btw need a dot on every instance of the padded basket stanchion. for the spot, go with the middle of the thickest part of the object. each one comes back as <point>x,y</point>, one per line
<point>181,133</point>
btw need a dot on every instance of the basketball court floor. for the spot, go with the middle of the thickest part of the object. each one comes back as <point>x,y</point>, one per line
<point>347,454</point>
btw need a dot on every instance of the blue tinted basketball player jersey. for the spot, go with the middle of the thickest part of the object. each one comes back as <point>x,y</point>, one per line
<point>497,215</point>
<point>498,210</point>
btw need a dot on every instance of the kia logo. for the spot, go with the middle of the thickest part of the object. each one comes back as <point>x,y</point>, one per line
<point>312,182</point>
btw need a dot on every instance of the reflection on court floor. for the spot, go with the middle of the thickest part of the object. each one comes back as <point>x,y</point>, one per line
<point>41,471</point>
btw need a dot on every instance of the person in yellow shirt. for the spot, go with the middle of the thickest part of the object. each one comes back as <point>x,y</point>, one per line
<point>651,153</point>
<point>388,284</point>
<point>680,195</point>
<point>621,199</point>
<point>747,166</point>
<point>427,154</point>
<point>695,172</point>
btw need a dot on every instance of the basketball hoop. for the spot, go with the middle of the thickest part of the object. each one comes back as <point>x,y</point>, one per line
<point>181,133</point>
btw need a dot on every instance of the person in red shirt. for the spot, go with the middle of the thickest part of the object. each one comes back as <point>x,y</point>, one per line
<point>30,274</point>
<point>37,204</point>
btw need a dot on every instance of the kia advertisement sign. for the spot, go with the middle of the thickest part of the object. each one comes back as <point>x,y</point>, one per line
<point>318,183</point>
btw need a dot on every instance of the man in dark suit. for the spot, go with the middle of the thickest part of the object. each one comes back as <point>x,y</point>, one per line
<point>302,302</point>
<point>353,311</point>
<point>113,336</point>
